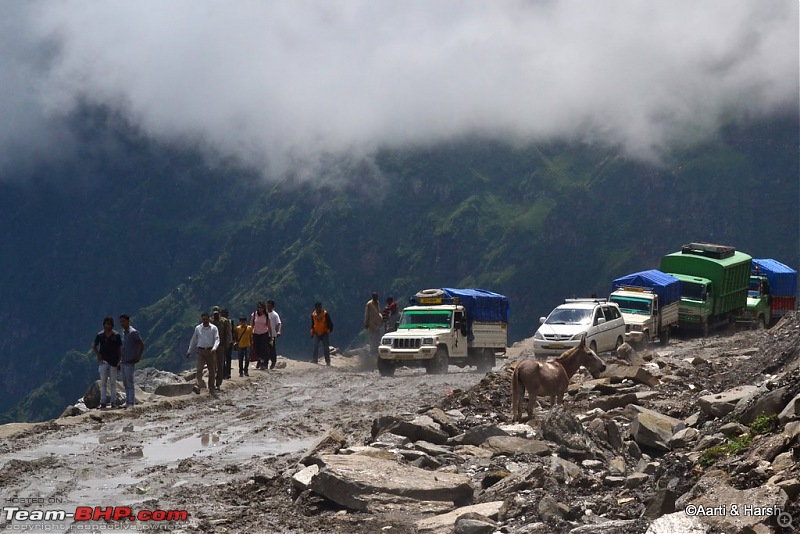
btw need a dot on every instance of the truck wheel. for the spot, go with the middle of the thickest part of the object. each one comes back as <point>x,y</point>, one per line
<point>663,337</point>
<point>385,368</point>
<point>619,342</point>
<point>705,329</point>
<point>486,361</point>
<point>439,362</point>
<point>645,341</point>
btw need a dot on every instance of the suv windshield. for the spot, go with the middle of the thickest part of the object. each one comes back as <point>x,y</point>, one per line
<point>570,316</point>
<point>632,304</point>
<point>425,319</point>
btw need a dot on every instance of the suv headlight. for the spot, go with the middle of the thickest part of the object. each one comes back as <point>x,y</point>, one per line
<point>538,335</point>
<point>427,341</point>
<point>386,341</point>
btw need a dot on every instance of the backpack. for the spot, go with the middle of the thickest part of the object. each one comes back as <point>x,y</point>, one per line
<point>329,322</point>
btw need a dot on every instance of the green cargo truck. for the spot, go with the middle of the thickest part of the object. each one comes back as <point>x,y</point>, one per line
<point>714,282</point>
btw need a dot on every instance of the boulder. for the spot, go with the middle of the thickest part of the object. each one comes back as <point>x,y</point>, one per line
<point>372,485</point>
<point>791,411</point>
<point>634,373</point>
<point>420,428</point>
<point>329,443</point>
<point>721,404</point>
<point>563,428</point>
<point>653,429</point>
<point>510,445</point>
<point>445,523</point>
<point>761,402</point>
<point>478,434</point>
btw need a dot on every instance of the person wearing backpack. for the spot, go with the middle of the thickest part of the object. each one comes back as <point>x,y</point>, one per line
<point>321,328</point>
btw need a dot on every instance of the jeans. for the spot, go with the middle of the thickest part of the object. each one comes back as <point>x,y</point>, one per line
<point>244,359</point>
<point>127,380</point>
<point>228,355</point>
<point>326,349</point>
<point>107,371</point>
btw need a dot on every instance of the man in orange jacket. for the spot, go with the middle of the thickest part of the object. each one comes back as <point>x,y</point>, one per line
<point>321,328</point>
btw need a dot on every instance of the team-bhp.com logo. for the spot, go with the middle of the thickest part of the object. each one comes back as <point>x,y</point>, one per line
<point>93,513</point>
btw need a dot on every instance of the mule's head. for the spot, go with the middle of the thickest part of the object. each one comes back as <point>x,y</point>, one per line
<point>590,359</point>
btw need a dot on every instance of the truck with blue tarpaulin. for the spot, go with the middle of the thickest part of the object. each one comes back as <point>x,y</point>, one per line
<point>649,302</point>
<point>445,326</point>
<point>772,292</point>
<point>714,282</point>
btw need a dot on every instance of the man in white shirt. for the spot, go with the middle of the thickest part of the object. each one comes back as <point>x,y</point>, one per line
<point>275,333</point>
<point>205,341</point>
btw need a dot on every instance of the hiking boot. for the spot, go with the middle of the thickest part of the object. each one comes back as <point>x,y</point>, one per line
<point>314,361</point>
<point>246,373</point>
<point>241,374</point>
<point>102,406</point>
<point>196,390</point>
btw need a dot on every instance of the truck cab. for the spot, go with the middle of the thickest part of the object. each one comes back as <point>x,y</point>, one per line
<point>758,313</point>
<point>640,311</point>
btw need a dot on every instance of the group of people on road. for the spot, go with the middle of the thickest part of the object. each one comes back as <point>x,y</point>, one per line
<point>215,339</point>
<point>116,353</point>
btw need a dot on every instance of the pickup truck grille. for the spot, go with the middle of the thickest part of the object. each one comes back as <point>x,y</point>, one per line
<point>406,343</point>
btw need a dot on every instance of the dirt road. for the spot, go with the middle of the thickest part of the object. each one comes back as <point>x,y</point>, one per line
<point>220,459</point>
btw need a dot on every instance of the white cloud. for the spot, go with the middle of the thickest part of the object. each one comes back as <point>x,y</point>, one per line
<point>276,83</point>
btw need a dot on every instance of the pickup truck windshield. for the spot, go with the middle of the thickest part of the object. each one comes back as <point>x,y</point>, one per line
<point>425,319</point>
<point>632,305</point>
<point>570,316</point>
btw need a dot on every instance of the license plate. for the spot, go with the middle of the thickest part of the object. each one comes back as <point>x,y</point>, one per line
<point>556,346</point>
<point>404,357</point>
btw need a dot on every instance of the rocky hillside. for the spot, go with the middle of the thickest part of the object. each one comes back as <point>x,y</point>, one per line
<point>706,427</point>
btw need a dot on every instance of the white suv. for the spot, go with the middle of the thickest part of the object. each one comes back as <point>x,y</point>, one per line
<point>600,321</point>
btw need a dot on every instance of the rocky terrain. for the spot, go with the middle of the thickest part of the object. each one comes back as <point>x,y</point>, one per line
<point>697,436</point>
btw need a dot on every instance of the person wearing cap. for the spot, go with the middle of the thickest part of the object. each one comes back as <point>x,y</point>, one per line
<point>244,338</point>
<point>223,325</point>
<point>205,341</point>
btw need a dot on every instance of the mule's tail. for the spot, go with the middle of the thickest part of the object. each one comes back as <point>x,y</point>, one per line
<point>517,393</point>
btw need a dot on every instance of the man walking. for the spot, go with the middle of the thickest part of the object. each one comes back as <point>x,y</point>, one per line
<point>274,333</point>
<point>373,323</point>
<point>321,328</point>
<point>205,341</point>
<point>107,347</point>
<point>132,349</point>
<point>225,337</point>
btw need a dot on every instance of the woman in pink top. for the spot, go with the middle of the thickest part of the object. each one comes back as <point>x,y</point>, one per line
<point>259,320</point>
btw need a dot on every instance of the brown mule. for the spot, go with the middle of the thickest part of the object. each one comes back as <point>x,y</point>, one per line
<point>550,378</point>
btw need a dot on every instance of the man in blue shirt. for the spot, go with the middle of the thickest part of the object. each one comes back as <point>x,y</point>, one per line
<point>132,349</point>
